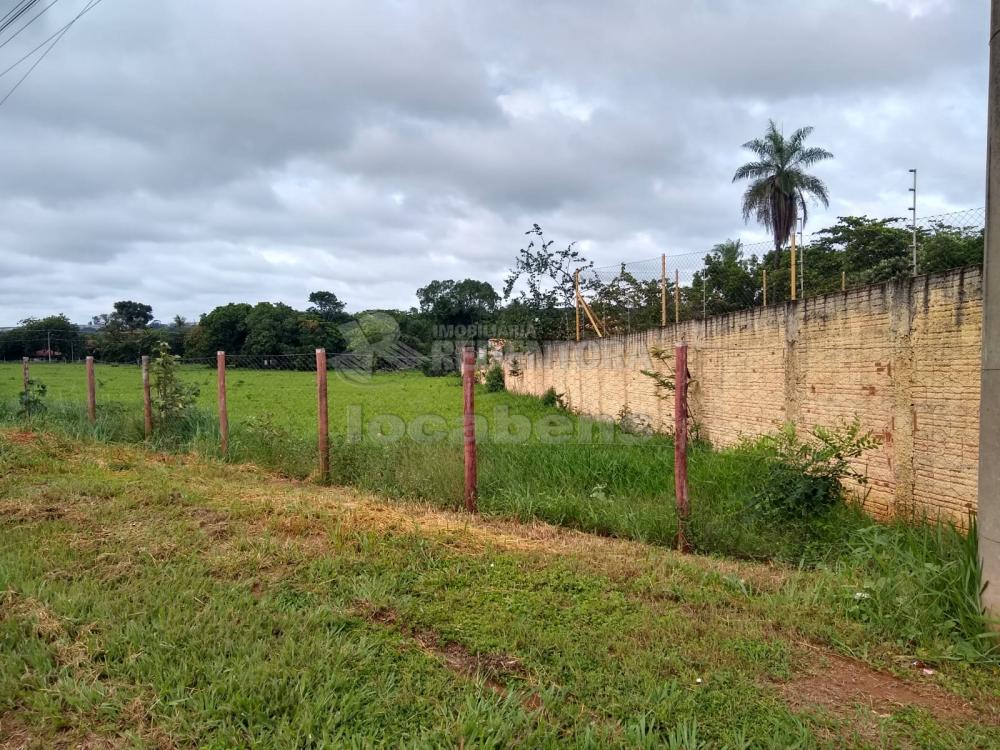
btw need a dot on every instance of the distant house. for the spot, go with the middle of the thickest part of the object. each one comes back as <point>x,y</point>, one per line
<point>46,354</point>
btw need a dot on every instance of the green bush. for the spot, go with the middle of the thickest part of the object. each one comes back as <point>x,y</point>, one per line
<point>805,476</point>
<point>32,400</point>
<point>172,398</point>
<point>552,399</point>
<point>494,379</point>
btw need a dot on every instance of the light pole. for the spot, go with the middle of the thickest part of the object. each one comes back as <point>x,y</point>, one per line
<point>913,210</point>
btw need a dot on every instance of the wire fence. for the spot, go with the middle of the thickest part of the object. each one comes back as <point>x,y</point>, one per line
<point>345,423</point>
<point>682,286</point>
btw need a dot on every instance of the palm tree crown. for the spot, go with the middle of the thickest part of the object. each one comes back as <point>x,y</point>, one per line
<point>779,184</point>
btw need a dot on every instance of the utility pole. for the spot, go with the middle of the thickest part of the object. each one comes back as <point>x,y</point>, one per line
<point>989,405</point>
<point>913,210</point>
<point>48,345</point>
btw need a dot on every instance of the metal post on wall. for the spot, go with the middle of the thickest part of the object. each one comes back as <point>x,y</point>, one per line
<point>663,289</point>
<point>576,290</point>
<point>677,295</point>
<point>913,211</point>
<point>794,296</point>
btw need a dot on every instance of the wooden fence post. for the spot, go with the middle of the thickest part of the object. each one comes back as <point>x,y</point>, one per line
<point>469,406</point>
<point>220,366</point>
<point>323,416</point>
<point>680,445</point>
<point>91,392</point>
<point>147,401</point>
<point>26,372</point>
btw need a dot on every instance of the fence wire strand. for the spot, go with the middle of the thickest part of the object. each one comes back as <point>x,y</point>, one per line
<point>642,294</point>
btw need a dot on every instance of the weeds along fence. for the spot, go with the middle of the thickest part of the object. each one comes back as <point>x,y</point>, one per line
<point>680,286</point>
<point>335,418</point>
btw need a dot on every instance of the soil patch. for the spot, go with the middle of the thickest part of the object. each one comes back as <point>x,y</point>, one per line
<point>842,683</point>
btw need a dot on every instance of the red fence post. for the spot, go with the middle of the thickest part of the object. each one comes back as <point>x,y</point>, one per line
<point>91,391</point>
<point>27,376</point>
<point>147,402</point>
<point>324,416</point>
<point>680,445</point>
<point>468,388</point>
<point>220,366</point>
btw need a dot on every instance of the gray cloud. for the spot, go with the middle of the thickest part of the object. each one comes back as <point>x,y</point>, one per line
<point>189,154</point>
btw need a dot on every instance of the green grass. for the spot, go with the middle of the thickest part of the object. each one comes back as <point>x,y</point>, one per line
<point>153,600</point>
<point>916,583</point>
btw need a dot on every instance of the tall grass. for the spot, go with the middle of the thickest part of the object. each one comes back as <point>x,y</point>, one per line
<point>915,582</point>
<point>921,583</point>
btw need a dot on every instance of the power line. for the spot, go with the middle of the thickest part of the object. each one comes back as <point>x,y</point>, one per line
<point>14,9</point>
<point>55,39</point>
<point>34,18</point>
<point>25,7</point>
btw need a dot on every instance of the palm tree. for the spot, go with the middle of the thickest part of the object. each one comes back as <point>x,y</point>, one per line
<point>779,184</point>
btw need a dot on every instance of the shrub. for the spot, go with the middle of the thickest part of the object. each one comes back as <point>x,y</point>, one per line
<point>665,384</point>
<point>551,398</point>
<point>32,400</point>
<point>172,397</point>
<point>494,379</point>
<point>804,476</point>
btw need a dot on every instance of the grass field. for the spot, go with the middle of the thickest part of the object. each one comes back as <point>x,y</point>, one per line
<point>915,583</point>
<point>288,396</point>
<point>169,601</point>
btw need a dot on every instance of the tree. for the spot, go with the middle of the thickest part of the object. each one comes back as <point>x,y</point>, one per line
<point>945,247</point>
<point>458,302</point>
<point>873,250</point>
<point>222,329</point>
<point>327,306</point>
<point>779,185</point>
<point>131,316</point>
<point>625,302</point>
<point>547,295</point>
<point>730,279</point>
<point>36,334</point>
<point>264,328</point>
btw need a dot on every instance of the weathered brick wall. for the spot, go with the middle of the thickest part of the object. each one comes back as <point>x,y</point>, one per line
<point>902,356</point>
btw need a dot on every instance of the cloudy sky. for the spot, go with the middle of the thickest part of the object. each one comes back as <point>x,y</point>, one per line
<point>188,153</point>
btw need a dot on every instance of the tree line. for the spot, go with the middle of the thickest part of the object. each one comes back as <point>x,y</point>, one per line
<point>539,294</point>
<point>537,300</point>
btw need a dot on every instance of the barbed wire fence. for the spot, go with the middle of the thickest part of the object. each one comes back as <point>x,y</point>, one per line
<point>303,414</point>
<point>277,401</point>
<point>681,286</point>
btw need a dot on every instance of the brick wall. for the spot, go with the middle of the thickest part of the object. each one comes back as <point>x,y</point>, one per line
<point>902,356</point>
